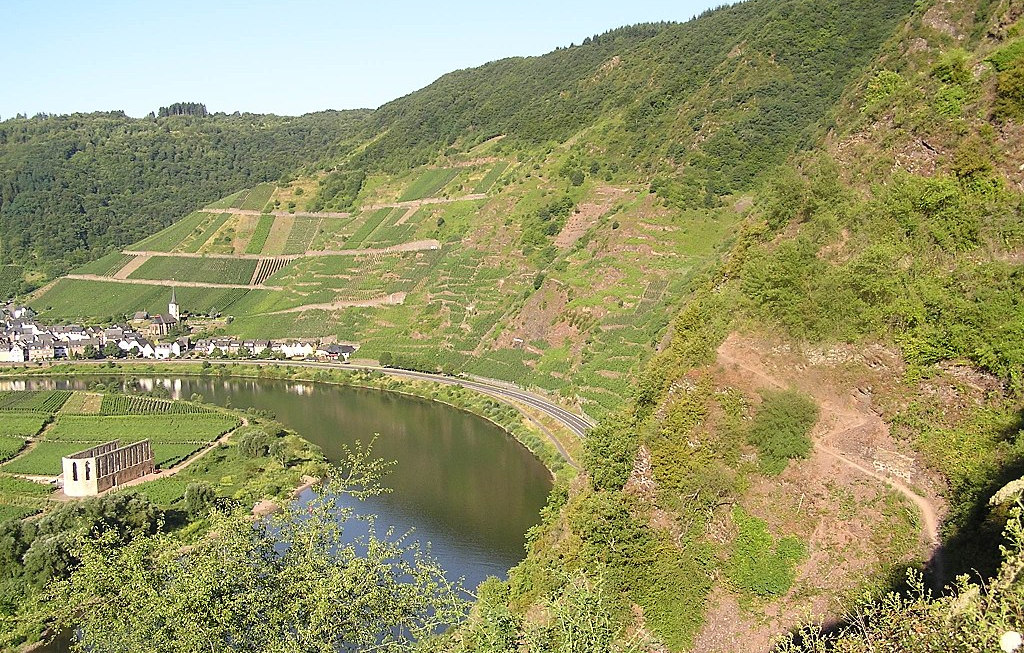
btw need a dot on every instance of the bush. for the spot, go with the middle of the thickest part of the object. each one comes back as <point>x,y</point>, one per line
<point>780,428</point>
<point>758,563</point>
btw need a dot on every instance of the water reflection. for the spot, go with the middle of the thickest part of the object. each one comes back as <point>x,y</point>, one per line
<point>461,483</point>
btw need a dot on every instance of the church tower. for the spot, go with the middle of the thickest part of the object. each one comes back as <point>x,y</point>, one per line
<point>172,307</point>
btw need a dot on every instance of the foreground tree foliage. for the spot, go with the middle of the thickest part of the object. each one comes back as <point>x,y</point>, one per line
<point>972,618</point>
<point>293,582</point>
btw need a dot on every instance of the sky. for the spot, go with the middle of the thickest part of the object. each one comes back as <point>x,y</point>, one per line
<point>287,58</point>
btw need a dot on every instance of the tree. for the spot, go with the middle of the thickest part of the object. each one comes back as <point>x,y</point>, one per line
<point>199,499</point>
<point>89,351</point>
<point>294,582</point>
<point>112,350</point>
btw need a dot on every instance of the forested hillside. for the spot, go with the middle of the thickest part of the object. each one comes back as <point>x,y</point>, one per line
<point>73,187</point>
<point>777,251</point>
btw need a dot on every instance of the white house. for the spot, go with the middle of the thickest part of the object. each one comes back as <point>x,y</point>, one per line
<point>166,350</point>
<point>295,349</point>
<point>14,353</point>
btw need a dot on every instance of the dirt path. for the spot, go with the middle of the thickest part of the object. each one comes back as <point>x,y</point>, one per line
<point>415,204</point>
<point>180,284</point>
<point>132,266</point>
<point>414,246</point>
<point>394,299</point>
<point>285,214</point>
<point>840,420</point>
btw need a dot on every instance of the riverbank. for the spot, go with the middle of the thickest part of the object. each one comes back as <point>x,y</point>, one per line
<point>555,444</point>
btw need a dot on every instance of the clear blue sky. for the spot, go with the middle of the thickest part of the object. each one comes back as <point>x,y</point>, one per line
<point>276,57</point>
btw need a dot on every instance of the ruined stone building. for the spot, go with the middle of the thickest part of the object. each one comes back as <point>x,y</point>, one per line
<point>89,472</point>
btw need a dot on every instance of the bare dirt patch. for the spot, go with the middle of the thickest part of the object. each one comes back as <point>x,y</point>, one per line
<point>587,215</point>
<point>540,319</point>
<point>851,501</point>
<point>394,299</point>
<point>132,266</point>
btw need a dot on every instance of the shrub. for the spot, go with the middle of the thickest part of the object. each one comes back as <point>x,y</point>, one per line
<point>758,563</point>
<point>780,429</point>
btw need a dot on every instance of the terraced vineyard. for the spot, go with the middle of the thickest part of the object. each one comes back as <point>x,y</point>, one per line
<point>256,198</point>
<point>133,405</point>
<point>169,239</point>
<point>259,236</point>
<point>267,268</point>
<point>106,266</point>
<point>43,401</point>
<point>175,434</point>
<point>209,270</point>
<point>428,183</point>
<point>301,235</point>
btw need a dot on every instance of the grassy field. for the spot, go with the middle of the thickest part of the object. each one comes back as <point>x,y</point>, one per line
<point>82,403</point>
<point>258,197</point>
<point>428,183</point>
<point>21,425</point>
<point>106,266</point>
<point>164,492</point>
<point>177,429</point>
<point>216,270</point>
<point>259,236</point>
<point>168,239</point>
<point>43,459</point>
<point>13,486</point>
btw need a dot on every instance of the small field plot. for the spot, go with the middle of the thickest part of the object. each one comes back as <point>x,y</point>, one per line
<point>82,403</point>
<point>229,201</point>
<point>133,405</point>
<point>10,446</point>
<point>41,401</point>
<point>10,280</point>
<point>205,270</point>
<point>21,425</point>
<point>198,428</point>
<point>106,266</point>
<point>198,238</point>
<point>163,491</point>
<point>259,236</point>
<point>11,486</point>
<point>257,197</point>
<point>428,183</point>
<point>167,454</point>
<point>491,177</point>
<point>43,459</point>
<point>301,235</point>
<point>372,221</point>
<point>168,239</point>
<point>390,232</point>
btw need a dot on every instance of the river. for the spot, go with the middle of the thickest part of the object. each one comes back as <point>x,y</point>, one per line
<point>461,483</point>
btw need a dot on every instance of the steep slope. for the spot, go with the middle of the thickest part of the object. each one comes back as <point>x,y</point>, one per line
<point>74,187</point>
<point>567,203</point>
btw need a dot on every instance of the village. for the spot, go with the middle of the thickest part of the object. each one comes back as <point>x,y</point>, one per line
<point>25,339</point>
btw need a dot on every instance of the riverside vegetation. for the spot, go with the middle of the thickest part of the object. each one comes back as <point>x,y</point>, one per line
<point>755,245</point>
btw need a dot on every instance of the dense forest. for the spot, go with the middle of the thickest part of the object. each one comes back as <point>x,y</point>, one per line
<point>74,187</point>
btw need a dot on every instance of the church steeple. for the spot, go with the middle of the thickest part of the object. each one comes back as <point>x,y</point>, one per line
<point>172,307</point>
